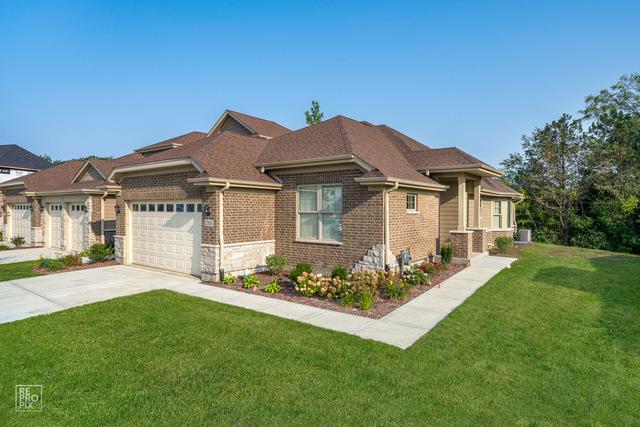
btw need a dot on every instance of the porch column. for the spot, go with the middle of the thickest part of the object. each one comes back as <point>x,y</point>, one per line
<point>476,203</point>
<point>462,202</point>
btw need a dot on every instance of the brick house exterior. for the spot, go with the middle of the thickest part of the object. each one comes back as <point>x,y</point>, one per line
<point>342,192</point>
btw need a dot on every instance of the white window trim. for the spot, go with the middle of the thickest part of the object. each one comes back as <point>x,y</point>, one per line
<point>494,214</point>
<point>415,203</point>
<point>318,212</point>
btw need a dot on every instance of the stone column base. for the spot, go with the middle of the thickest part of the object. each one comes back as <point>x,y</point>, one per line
<point>119,243</point>
<point>209,263</point>
<point>462,242</point>
<point>479,239</point>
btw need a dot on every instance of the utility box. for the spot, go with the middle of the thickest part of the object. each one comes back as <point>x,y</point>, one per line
<point>524,236</point>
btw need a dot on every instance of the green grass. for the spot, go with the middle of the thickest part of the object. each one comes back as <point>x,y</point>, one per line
<point>18,270</point>
<point>553,340</point>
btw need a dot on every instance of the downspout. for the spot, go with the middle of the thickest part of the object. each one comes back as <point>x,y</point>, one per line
<point>385,204</point>
<point>221,225</point>
<point>102,199</point>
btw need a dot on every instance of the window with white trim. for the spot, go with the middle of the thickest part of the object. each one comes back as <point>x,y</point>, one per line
<point>412,202</point>
<point>509,213</point>
<point>320,212</point>
<point>497,215</point>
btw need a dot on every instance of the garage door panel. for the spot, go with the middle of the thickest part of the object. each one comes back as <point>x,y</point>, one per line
<point>21,222</point>
<point>55,225</point>
<point>165,238</point>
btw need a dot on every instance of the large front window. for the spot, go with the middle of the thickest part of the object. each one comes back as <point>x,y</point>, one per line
<point>320,212</point>
<point>497,215</point>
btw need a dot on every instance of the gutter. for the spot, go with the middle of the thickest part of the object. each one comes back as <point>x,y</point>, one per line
<point>221,227</point>
<point>102,198</point>
<point>385,207</point>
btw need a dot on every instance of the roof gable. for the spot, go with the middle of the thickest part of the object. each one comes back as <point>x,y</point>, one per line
<point>167,144</point>
<point>245,124</point>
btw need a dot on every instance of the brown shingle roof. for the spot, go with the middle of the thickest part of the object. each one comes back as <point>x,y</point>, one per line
<point>49,179</point>
<point>14,156</point>
<point>402,141</point>
<point>178,140</point>
<point>495,185</point>
<point>341,136</point>
<point>438,157</point>
<point>262,127</point>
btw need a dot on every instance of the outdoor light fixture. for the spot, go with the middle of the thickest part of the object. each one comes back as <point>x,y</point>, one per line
<point>117,209</point>
<point>206,210</point>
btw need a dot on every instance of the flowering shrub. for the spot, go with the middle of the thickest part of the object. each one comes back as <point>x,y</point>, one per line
<point>416,277</point>
<point>394,287</point>
<point>431,268</point>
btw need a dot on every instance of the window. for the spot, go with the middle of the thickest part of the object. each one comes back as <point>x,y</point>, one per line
<point>160,207</point>
<point>497,215</point>
<point>4,170</point>
<point>143,207</point>
<point>190,207</point>
<point>509,209</point>
<point>320,212</point>
<point>152,207</point>
<point>170,207</point>
<point>199,207</point>
<point>179,207</point>
<point>135,207</point>
<point>412,202</point>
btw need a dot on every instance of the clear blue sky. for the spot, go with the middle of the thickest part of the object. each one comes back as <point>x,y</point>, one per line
<point>80,78</point>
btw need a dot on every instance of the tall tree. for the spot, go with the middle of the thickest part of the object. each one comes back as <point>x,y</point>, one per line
<point>314,116</point>
<point>549,174</point>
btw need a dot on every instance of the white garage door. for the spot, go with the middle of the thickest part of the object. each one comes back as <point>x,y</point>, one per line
<point>55,225</point>
<point>77,227</point>
<point>21,222</point>
<point>167,235</point>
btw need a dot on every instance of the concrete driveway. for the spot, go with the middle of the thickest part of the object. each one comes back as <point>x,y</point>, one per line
<point>24,298</point>
<point>27,254</point>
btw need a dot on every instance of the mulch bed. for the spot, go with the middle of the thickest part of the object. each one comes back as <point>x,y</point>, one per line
<point>381,307</point>
<point>75,267</point>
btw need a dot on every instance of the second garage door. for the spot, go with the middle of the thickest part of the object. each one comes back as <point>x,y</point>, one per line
<point>167,235</point>
<point>56,229</point>
<point>21,222</point>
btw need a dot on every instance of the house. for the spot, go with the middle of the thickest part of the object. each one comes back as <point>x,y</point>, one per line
<point>340,192</point>
<point>15,162</point>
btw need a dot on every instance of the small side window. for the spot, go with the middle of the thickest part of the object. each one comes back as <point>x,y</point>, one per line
<point>190,207</point>
<point>179,207</point>
<point>170,207</point>
<point>152,207</point>
<point>412,202</point>
<point>143,207</point>
<point>135,207</point>
<point>160,207</point>
<point>199,207</point>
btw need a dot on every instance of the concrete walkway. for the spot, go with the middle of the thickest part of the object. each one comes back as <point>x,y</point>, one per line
<point>24,298</point>
<point>26,254</point>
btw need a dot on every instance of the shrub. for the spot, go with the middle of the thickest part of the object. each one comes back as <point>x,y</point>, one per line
<point>273,287</point>
<point>3,247</point>
<point>250,281</point>
<point>99,252</point>
<point>308,284</point>
<point>17,241</point>
<point>301,267</point>
<point>276,264</point>
<point>395,288</point>
<point>365,300</point>
<point>431,268</point>
<point>50,264</point>
<point>446,252</point>
<point>348,300</point>
<point>71,260</point>
<point>340,271</point>
<point>416,277</point>
<point>229,279</point>
<point>503,244</point>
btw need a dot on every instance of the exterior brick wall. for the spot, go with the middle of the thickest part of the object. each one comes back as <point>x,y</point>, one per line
<point>416,231</point>
<point>462,242</point>
<point>249,215</point>
<point>36,215</point>
<point>121,218</point>
<point>479,239</point>
<point>210,233</point>
<point>497,233</point>
<point>96,220</point>
<point>362,221</point>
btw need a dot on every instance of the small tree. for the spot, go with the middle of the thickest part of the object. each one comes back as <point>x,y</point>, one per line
<point>315,115</point>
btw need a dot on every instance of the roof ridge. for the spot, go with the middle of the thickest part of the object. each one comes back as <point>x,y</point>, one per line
<point>347,142</point>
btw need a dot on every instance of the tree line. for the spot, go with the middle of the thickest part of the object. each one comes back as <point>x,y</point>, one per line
<point>580,176</point>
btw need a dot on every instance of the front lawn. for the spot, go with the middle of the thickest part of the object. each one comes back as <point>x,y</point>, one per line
<point>553,340</point>
<point>18,270</point>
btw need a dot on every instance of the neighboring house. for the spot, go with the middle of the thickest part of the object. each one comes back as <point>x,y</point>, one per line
<point>340,192</point>
<point>15,162</point>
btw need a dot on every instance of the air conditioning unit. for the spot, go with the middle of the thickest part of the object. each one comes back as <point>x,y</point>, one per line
<point>524,236</point>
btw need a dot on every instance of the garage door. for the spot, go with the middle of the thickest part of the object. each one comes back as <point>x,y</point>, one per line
<point>21,222</point>
<point>77,227</point>
<point>167,235</point>
<point>55,225</point>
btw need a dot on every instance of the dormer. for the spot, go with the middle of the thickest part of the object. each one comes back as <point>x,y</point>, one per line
<point>244,124</point>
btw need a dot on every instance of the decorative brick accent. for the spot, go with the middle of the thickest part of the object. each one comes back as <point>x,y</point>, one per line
<point>119,247</point>
<point>362,221</point>
<point>95,218</point>
<point>373,260</point>
<point>209,263</point>
<point>36,215</point>
<point>417,231</point>
<point>210,222</point>
<point>479,239</point>
<point>462,242</point>
<point>247,256</point>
